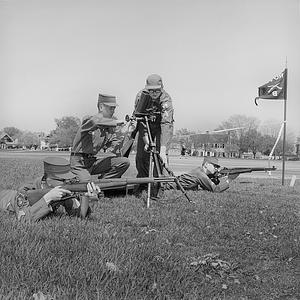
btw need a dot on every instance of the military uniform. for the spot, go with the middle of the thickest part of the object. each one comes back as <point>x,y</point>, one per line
<point>17,202</point>
<point>98,133</point>
<point>197,179</point>
<point>161,128</point>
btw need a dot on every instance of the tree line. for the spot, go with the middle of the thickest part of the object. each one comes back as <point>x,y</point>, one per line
<point>251,137</point>
<point>62,135</point>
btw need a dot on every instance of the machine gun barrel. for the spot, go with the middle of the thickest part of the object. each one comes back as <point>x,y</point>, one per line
<point>240,170</point>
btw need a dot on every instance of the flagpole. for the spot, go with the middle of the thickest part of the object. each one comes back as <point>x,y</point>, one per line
<point>270,91</point>
<point>284,128</point>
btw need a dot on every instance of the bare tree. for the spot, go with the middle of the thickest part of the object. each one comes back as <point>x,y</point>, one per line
<point>29,139</point>
<point>13,132</point>
<point>252,141</point>
<point>183,136</point>
<point>270,127</point>
<point>239,137</point>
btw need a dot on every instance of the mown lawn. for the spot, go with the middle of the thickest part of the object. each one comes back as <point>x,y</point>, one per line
<point>241,244</point>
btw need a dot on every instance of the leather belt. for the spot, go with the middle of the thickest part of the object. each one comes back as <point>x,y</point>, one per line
<point>85,155</point>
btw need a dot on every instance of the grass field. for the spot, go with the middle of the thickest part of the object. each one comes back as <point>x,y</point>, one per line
<point>241,244</point>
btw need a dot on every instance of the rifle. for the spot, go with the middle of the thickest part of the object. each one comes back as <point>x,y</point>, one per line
<point>231,171</point>
<point>235,171</point>
<point>105,184</point>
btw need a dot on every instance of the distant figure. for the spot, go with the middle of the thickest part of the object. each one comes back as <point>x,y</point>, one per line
<point>183,151</point>
<point>98,133</point>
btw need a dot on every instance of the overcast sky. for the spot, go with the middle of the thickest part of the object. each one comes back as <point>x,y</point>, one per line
<point>57,55</point>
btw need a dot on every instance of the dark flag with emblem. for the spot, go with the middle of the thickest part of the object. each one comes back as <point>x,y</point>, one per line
<point>274,89</point>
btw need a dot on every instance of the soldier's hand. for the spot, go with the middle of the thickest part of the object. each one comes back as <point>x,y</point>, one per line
<point>56,194</point>
<point>132,125</point>
<point>232,176</point>
<point>163,155</point>
<point>147,148</point>
<point>120,122</point>
<point>92,190</point>
<point>228,178</point>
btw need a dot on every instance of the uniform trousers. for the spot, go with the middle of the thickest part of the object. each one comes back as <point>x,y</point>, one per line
<point>142,159</point>
<point>105,167</point>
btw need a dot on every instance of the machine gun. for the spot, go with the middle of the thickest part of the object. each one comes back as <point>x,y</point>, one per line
<point>105,185</point>
<point>236,171</point>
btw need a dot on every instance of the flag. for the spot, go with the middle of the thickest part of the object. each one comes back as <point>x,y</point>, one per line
<point>274,89</point>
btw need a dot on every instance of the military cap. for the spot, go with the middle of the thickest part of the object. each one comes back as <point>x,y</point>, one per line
<point>58,167</point>
<point>212,160</point>
<point>154,81</point>
<point>107,100</point>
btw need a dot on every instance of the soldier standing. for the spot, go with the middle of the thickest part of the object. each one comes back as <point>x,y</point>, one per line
<point>161,128</point>
<point>98,133</point>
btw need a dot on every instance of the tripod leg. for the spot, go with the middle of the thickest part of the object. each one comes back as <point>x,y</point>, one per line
<point>160,166</point>
<point>163,166</point>
<point>149,184</point>
<point>182,189</point>
<point>157,164</point>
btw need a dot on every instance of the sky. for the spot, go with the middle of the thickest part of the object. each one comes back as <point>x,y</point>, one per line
<point>57,55</point>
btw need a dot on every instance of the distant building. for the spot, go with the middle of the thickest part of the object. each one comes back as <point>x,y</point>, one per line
<point>6,141</point>
<point>218,145</point>
<point>205,144</point>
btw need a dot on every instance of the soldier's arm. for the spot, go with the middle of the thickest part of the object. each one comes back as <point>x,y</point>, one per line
<point>26,212</point>
<point>17,203</point>
<point>94,122</point>
<point>222,186</point>
<point>137,98</point>
<point>36,211</point>
<point>114,144</point>
<point>205,183</point>
<point>167,120</point>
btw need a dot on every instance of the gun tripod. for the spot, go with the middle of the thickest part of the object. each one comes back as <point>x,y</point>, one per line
<point>156,163</point>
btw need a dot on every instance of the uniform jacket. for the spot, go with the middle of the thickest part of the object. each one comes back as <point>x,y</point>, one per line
<point>197,178</point>
<point>167,116</point>
<point>96,133</point>
<point>17,202</point>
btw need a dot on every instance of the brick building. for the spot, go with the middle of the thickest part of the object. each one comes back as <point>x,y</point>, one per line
<point>205,144</point>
